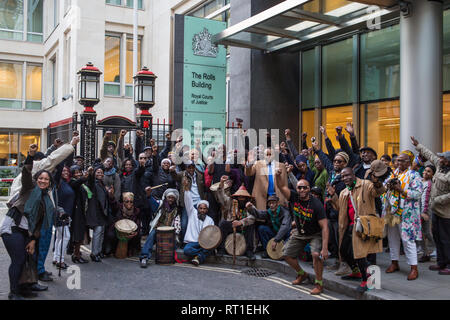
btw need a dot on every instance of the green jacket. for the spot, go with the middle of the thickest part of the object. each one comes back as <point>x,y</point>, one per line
<point>320,178</point>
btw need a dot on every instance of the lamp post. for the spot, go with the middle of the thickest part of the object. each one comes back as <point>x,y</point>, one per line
<point>88,96</point>
<point>144,99</point>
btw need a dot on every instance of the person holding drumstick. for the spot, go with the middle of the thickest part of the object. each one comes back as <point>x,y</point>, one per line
<point>277,223</point>
<point>165,213</point>
<point>197,220</point>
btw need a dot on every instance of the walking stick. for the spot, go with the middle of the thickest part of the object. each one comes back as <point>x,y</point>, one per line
<point>235,207</point>
<point>60,257</point>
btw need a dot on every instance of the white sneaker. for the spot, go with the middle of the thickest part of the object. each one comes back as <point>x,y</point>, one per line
<point>143,263</point>
<point>195,261</point>
<point>433,254</point>
<point>343,270</point>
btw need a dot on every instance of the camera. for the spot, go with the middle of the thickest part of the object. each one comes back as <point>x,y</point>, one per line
<point>392,183</point>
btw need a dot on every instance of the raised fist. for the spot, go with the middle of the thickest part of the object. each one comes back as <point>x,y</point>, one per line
<point>140,133</point>
<point>33,149</point>
<point>123,132</point>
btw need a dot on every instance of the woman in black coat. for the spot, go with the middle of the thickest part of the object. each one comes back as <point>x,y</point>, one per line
<point>98,214</point>
<point>79,231</point>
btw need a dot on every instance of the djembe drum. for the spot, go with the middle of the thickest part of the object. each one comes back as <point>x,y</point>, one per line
<point>276,254</point>
<point>210,237</point>
<point>165,245</point>
<point>124,231</point>
<point>241,246</point>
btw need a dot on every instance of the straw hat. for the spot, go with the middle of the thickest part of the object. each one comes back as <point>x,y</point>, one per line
<point>242,192</point>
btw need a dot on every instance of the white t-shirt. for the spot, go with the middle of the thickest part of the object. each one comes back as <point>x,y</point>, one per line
<point>195,225</point>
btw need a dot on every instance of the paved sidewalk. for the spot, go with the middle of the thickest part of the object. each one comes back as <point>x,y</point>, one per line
<point>429,286</point>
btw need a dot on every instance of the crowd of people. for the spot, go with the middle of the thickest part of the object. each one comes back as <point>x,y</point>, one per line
<point>309,202</point>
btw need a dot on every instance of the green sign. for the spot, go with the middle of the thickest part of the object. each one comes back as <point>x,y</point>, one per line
<point>198,48</point>
<point>202,126</point>
<point>204,89</point>
<point>204,77</point>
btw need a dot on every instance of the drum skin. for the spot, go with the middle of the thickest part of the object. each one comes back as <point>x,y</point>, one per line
<point>241,246</point>
<point>165,245</point>
<point>278,253</point>
<point>210,237</point>
<point>124,228</point>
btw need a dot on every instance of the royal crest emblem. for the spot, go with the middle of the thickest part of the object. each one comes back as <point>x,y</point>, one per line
<point>202,45</point>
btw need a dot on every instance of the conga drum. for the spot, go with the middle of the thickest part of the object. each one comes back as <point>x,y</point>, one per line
<point>210,237</point>
<point>165,245</point>
<point>276,254</point>
<point>241,246</point>
<point>124,229</point>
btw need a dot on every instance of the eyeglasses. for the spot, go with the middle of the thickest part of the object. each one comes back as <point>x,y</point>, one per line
<point>143,158</point>
<point>302,188</point>
<point>128,201</point>
<point>338,161</point>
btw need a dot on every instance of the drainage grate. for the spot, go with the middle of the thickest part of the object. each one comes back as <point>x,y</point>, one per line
<point>258,272</point>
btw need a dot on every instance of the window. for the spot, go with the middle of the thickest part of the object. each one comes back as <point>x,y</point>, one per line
<point>129,64</point>
<point>128,3</point>
<point>333,117</point>
<point>309,78</point>
<point>380,64</point>
<point>446,49</point>
<point>34,88</point>
<point>34,21</point>
<point>11,19</point>
<point>308,121</point>
<point>112,65</point>
<point>337,73</point>
<point>380,126</point>
<point>11,85</point>
<point>114,80</point>
<point>12,95</point>
<point>55,13</point>
<point>54,83</point>
<point>446,123</point>
<point>14,146</point>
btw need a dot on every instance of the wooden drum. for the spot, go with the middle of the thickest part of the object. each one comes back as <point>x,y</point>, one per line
<point>210,237</point>
<point>165,245</point>
<point>241,246</point>
<point>125,230</point>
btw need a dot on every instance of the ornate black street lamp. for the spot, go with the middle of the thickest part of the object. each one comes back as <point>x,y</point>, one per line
<point>88,96</point>
<point>144,99</point>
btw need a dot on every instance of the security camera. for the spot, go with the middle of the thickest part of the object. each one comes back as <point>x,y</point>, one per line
<point>67,97</point>
<point>405,8</point>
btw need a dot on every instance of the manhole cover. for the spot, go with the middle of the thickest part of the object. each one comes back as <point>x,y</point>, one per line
<point>258,272</point>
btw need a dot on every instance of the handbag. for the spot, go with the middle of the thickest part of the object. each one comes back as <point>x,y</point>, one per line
<point>368,227</point>
<point>29,273</point>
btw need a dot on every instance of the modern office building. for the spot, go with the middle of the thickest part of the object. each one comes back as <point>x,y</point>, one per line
<point>383,65</point>
<point>290,64</point>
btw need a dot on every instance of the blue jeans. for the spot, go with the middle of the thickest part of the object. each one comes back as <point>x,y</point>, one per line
<point>265,233</point>
<point>43,247</point>
<point>15,246</point>
<point>193,249</point>
<point>146,251</point>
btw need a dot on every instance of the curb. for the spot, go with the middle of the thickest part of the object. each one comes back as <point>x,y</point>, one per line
<point>330,281</point>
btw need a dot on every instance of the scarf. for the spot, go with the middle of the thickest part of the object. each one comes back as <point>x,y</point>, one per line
<point>88,191</point>
<point>110,172</point>
<point>275,218</point>
<point>32,206</point>
<point>128,213</point>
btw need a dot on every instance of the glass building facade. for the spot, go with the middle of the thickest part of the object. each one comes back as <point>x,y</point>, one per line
<point>357,79</point>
